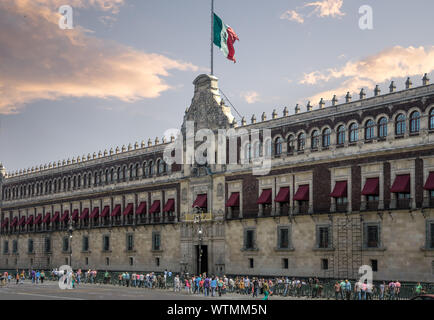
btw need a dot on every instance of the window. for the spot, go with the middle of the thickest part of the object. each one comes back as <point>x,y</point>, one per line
<point>285,263</point>
<point>251,263</point>
<point>151,168</point>
<point>283,237</point>
<point>354,132</point>
<point>86,261</point>
<point>130,242</point>
<point>85,243</point>
<point>107,261</point>
<point>324,237</point>
<point>156,241</point>
<point>291,143</point>
<point>131,261</point>
<point>249,239</point>
<point>341,135</point>
<point>374,265</point>
<point>400,125</point>
<point>315,139</point>
<point>106,243</point>
<point>415,122</point>
<point>431,119</point>
<point>372,235</point>
<point>326,138</point>
<point>47,245</point>
<point>301,141</point>
<point>161,167</point>
<point>65,246</point>
<point>369,130</point>
<point>324,264</point>
<point>382,128</point>
<point>430,234</point>
<point>30,246</point>
<point>15,246</point>
<point>157,262</point>
<point>278,147</point>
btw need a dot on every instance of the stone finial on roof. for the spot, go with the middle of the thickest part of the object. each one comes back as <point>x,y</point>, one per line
<point>136,145</point>
<point>377,90</point>
<point>68,161</point>
<point>264,116</point>
<point>64,162</point>
<point>89,156</point>
<point>83,158</point>
<point>408,83</point>
<point>157,141</point>
<point>172,138</point>
<point>163,139</point>
<point>111,151</point>
<point>425,80</point>
<point>124,148</point>
<point>309,106</point>
<point>321,103</point>
<point>285,112</point>
<point>253,119</point>
<point>297,108</point>
<point>143,144</point>
<point>117,150</point>
<point>130,147</point>
<point>274,114</point>
<point>73,160</point>
<point>99,154</point>
<point>243,121</point>
<point>149,142</point>
<point>105,153</point>
<point>334,100</point>
<point>234,123</point>
<point>348,97</point>
<point>392,87</point>
<point>362,94</point>
<point>94,155</point>
<point>78,159</point>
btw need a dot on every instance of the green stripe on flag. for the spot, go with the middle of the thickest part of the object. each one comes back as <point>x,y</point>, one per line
<point>220,35</point>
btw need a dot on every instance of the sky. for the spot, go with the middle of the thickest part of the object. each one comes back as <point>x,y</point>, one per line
<point>124,72</point>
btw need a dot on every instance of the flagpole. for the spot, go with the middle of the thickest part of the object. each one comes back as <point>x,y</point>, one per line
<point>212,37</point>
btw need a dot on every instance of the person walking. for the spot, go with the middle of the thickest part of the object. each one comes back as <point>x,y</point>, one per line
<point>213,286</point>
<point>255,288</point>
<point>42,275</point>
<point>337,290</point>
<point>382,289</point>
<point>266,289</point>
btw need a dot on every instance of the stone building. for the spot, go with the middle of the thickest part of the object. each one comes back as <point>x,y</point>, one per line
<point>350,184</point>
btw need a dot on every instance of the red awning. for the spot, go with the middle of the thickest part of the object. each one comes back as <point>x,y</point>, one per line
<point>155,208</point>
<point>302,193</point>
<point>429,184</point>
<point>201,201</point>
<point>22,221</point>
<point>129,209</point>
<point>283,195</point>
<point>340,190</point>
<point>105,211</point>
<point>372,187</point>
<point>169,206</point>
<point>84,214</point>
<point>14,222</point>
<point>74,216</point>
<point>38,219</point>
<point>116,211</point>
<point>5,222</point>
<point>265,197</point>
<point>234,200</point>
<point>55,218</point>
<point>65,216</point>
<point>30,219</point>
<point>141,209</point>
<point>47,218</point>
<point>95,213</point>
<point>401,184</point>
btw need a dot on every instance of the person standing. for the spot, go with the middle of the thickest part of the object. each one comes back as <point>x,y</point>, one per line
<point>348,289</point>
<point>213,286</point>
<point>266,289</point>
<point>42,276</point>
<point>255,287</point>
<point>337,290</point>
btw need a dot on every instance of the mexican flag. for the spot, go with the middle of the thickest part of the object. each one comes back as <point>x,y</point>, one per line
<point>224,38</point>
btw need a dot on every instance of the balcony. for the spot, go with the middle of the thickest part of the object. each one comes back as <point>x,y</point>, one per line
<point>341,207</point>
<point>428,202</point>
<point>372,205</point>
<point>403,203</point>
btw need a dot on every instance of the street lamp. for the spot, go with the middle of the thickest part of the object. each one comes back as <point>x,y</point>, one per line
<point>200,234</point>
<point>70,230</point>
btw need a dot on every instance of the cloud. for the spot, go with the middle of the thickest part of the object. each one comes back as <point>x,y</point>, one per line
<point>395,62</point>
<point>327,8</point>
<point>38,60</point>
<point>292,15</point>
<point>250,96</point>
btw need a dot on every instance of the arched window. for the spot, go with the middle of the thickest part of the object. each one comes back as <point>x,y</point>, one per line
<point>107,176</point>
<point>131,171</point>
<point>301,142</point>
<point>354,132</point>
<point>290,143</point>
<point>326,138</point>
<point>382,127</point>
<point>400,124</point>
<point>144,170</point>
<point>431,119</point>
<point>161,166</point>
<point>112,175</point>
<point>95,181</point>
<point>415,122</point>
<point>69,183</point>
<point>315,139</point>
<point>119,173</point>
<point>369,129</point>
<point>341,135</point>
<point>278,147</point>
<point>124,172</point>
<point>137,170</point>
<point>151,168</point>
<point>85,180</point>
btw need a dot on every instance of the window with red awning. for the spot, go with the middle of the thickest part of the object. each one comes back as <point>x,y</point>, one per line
<point>22,221</point>
<point>340,190</point>
<point>429,184</point>
<point>29,220</point>
<point>372,187</point>
<point>105,211</point>
<point>201,201</point>
<point>129,209</point>
<point>234,200</point>
<point>84,214</point>
<point>155,208</point>
<point>283,195</point>
<point>169,206</point>
<point>401,184</point>
<point>141,209</point>
<point>74,216</point>
<point>38,219</point>
<point>302,193</point>
<point>14,222</point>
<point>5,222</point>
<point>55,218</point>
<point>116,211</point>
<point>65,216</point>
<point>265,197</point>
<point>95,213</point>
<point>47,218</point>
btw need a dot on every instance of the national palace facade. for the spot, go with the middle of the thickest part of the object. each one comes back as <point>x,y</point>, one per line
<point>350,184</point>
